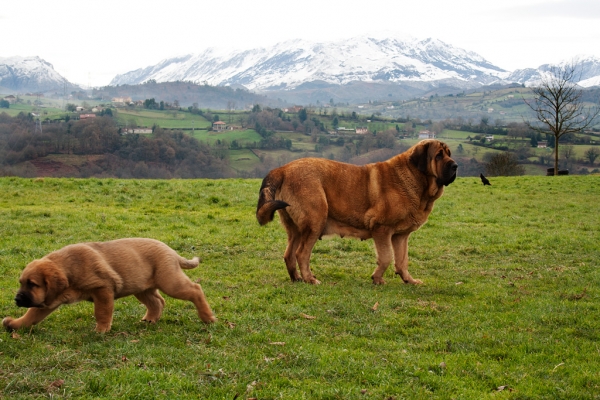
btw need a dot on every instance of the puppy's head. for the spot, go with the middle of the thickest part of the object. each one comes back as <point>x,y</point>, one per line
<point>432,157</point>
<point>41,282</point>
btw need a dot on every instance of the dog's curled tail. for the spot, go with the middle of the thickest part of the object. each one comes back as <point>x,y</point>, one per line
<point>267,205</point>
<point>188,264</point>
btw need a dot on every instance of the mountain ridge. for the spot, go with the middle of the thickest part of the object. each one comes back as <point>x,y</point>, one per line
<point>31,74</point>
<point>354,70</point>
<point>289,64</point>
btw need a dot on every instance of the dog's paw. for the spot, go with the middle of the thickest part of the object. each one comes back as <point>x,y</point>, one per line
<point>313,281</point>
<point>6,322</point>
<point>102,328</point>
<point>378,281</point>
<point>209,320</point>
<point>414,282</point>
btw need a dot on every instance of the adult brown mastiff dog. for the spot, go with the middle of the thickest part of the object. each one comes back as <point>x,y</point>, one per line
<point>386,201</point>
<point>102,272</point>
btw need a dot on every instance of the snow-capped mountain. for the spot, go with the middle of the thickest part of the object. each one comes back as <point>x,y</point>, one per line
<point>587,72</point>
<point>290,64</point>
<point>30,74</point>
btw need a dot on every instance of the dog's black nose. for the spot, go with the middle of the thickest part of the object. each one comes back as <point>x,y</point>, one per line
<point>454,167</point>
<point>22,300</point>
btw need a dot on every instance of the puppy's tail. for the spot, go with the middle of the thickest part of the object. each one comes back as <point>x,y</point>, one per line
<point>267,205</point>
<point>188,264</point>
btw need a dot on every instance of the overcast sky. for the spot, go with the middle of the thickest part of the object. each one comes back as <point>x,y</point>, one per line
<point>91,42</point>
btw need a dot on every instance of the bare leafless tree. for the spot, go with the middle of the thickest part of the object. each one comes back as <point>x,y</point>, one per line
<point>504,164</point>
<point>558,105</point>
<point>230,107</point>
<point>568,151</point>
<point>591,154</point>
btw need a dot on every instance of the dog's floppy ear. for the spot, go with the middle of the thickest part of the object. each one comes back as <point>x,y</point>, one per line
<point>55,280</point>
<point>419,156</point>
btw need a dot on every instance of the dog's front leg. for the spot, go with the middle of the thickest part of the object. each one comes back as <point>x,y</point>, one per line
<point>400,244</point>
<point>104,304</point>
<point>31,317</point>
<point>383,247</point>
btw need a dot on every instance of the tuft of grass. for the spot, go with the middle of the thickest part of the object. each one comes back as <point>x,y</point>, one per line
<point>508,309</point>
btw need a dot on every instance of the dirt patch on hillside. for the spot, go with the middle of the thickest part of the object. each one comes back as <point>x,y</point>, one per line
<point>48,167</point>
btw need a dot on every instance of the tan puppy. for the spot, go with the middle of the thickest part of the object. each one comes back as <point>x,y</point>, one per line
<point>386,201</point>
<point>102,272</point>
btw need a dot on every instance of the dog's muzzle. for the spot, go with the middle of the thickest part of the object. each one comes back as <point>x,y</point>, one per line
<point>23,300</point>
<point>450,173</point>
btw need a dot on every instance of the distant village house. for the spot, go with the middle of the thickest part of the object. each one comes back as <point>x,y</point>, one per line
<point>361,130</point>
<point>141,131</point>
<point>11,99</point>
<point>87,116</point>
<point>294,109</point>
<point>342,129</point>
<point>124,100</point>
<point>219,126</point>
<point>426,135</point>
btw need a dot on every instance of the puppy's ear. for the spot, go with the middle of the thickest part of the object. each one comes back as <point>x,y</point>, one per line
<point>419,156</point>
<point>55,280</point>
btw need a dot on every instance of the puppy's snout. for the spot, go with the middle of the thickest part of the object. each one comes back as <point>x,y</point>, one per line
<point>454,167</point>
<point>22,300</point>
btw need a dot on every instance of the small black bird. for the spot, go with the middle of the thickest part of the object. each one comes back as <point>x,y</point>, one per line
<point>484,180</point>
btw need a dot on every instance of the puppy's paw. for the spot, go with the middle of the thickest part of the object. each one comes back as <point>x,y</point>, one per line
<point>7,323</point>
<point>209,319</point>
<point>150,320</point>
<point>102,328</point>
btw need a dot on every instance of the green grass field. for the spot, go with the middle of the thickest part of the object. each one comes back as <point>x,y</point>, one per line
<point>48,111</point>
<point>508,309</point>
<point>168,119</point>
<point>242,137</point>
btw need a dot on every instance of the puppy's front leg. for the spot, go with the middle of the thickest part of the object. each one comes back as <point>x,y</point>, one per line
<point>31,317</point>
<point>104,304</point>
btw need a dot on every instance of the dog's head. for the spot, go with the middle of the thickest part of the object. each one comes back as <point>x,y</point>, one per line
<point>432,158</point>
<point>41,282</point>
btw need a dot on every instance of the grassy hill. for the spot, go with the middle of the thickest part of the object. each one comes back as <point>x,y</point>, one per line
<point>508,308</point>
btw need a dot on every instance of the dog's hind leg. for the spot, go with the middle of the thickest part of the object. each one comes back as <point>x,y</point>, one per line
<point>31,317</point>
<point>180,287</point>
<point>154,302</point>
<point>290,257</point>
<point>292,246</point>
<point>307,242</point>
<point>400,244</point>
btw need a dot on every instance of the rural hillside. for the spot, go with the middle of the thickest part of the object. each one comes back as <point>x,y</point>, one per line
<point>157,139</point>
